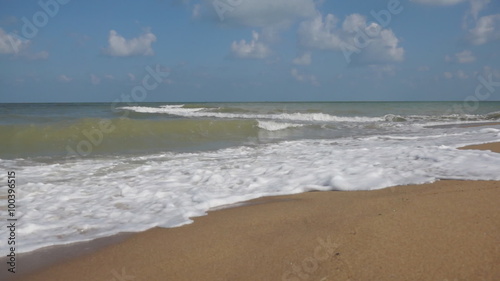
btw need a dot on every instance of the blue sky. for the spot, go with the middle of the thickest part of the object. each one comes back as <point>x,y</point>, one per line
<point>248,50</point>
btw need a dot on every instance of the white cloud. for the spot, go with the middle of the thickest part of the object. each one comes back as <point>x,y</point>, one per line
<point>121,47</point>
<point>303,77</point>
<point>439,2</point>
<point>11,44</point>
<point>477,6</point>
<point>94,79</point>
<point>261,13</point>
<point>487,29</point>
<point>270,17</point>
<point>251,50</point>
<point>305,59</point>
<point>423,68</point>
<point>320,34</point>
<point>370,43</point>
<point>465,56</point>
<point>382,49</point>
<point>460,74</point>
<point>64,78</point>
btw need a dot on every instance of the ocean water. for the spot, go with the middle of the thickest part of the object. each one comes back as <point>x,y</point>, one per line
<point>91,170</point>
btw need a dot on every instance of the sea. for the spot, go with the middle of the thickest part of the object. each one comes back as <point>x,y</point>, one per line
<point>90,170</point>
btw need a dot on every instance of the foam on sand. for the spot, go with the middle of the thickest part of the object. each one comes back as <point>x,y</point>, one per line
<point>81,199</point>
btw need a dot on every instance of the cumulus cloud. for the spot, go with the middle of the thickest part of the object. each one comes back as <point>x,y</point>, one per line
<point>448,75</point>
<point>11,44</point>
<point>260,13</point>
<point>370,43</point>
<point>321,34</point>
<point>477,6</point>
<point>487,29</point>
<point>484,29</point>
<point>303,77</point>
<point>268,17</point>
<point>305,59</point>
<point>465,56</point>
<point>121,47</point>
<point>254,49</point>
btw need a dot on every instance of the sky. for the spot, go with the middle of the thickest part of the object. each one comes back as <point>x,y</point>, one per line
<point>249,50</point>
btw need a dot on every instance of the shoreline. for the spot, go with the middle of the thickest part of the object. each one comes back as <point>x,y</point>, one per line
<point>183,238</point>
<point>46,257</point>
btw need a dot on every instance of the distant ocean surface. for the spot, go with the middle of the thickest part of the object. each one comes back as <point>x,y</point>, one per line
<point>91,170</point>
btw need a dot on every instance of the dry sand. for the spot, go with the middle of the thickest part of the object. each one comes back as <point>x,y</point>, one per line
<point>448,230</point>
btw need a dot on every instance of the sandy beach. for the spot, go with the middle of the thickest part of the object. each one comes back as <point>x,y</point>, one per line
<point>225,140</point>
<point>447,230</point>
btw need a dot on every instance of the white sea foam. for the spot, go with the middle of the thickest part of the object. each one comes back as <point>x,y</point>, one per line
<point>276,126</point>
<point>205,112</point>
<point>428,120</point>
<point>82,199</point>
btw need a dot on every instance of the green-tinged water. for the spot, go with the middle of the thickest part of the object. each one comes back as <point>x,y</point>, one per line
<point>61,130</point>
<point>121,136</point>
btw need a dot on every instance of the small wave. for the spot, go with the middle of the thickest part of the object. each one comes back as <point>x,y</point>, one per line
<point>493,115</point>
<point>237,113</point>
<point>443,118</point>
<point>276,126</point>
<point>394,118</point>
<point>297,116</point>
